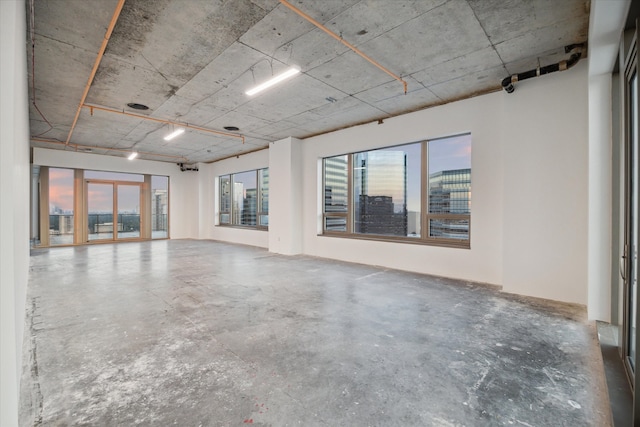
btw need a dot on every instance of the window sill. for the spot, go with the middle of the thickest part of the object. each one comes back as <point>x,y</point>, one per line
<point>408,240</point>
<point>243,227</point>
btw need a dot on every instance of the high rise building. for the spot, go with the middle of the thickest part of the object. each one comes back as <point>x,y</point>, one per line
<point>380,181</point>
<point>450,191</point>
<point>159,209</point>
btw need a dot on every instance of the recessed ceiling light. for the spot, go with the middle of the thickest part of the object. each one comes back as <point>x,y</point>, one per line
<point>275,80</point>
<point>133,155</point>
<point>137,106</point>
<point>173,134</point>
<point>232,128</point>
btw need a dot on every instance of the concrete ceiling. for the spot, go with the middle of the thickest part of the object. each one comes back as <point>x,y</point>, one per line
<point>191,61</point>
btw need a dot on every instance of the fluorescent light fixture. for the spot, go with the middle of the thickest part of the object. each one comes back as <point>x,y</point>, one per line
<point>133,155</point>
<point>173,134</point>
<point>275,80</point>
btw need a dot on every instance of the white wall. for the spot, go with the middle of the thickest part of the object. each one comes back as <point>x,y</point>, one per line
<point>529,181</point>
<point>14,202</point>
<point>209,203</point>
<point>183,186</point>
<point>545,139</point>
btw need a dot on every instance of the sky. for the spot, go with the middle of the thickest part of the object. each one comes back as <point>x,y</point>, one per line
<point>61,188</point>
<point>450,153</point>
<point>100,195</point>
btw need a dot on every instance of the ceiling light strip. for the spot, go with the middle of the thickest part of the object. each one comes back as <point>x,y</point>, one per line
<point>96,147</point>
<point>153,119</point>
<point>273,81</point>
<point>96,64</point>
<point>344,42</point>
<point>173,134</point>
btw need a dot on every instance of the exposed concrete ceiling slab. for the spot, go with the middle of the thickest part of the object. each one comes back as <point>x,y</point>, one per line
<point>61,23</point>
<point>507,19</point>
<point>310,50</point>
<point>458,67</point>
<point>246,122</point>
<point>184,110</point>
<point>471,84</point>
<point>278,28</point>
<point>444,33</point>
<point>350,73</point>
<point>235,61</point>
<point>191,61</point>
<point>538,41</point>
<point>369,19</point>
<point>388,99</point>
<point>118,83</point>
<point>59,94</point>
<point>302,93</point>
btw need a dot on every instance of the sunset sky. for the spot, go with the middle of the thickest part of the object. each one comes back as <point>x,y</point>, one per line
<point>100,195</point>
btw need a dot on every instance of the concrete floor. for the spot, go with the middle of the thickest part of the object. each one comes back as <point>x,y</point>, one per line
<point>200,333</point>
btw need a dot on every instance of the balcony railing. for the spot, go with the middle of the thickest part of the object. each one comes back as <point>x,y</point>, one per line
<point>100,226</point>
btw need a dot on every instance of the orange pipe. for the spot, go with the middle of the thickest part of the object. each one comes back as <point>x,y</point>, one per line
<point>76,146</point>
<point>344,42</point>
<point>107,36</point>
<point>153,119</point>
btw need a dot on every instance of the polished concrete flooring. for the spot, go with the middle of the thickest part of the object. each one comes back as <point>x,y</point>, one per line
<point>201,333</point>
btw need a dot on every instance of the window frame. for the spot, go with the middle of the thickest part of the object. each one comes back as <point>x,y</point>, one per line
<point>260,193</point>
<point>425,215</point>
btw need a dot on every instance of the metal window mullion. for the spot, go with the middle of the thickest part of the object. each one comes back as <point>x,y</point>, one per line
<point>231,195</point>
<point>424,192</point>
<point>350,198</point>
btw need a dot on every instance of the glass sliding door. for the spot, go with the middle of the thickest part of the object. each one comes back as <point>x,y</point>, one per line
<point>100,199</point>
<point>128,208</point>
<point>113,210</point>
<point>632,248</point>
<point>629,267</point>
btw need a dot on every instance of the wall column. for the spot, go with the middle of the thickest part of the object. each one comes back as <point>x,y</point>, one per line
<point>15,174</point>
<point>285,196</point>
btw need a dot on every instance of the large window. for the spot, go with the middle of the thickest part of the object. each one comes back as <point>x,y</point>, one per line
<point>417,192</point>
<point>78,206</point>
<point>244,199</point>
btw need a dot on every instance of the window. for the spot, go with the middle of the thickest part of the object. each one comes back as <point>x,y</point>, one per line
<point>263,205</point>
<point>159,207</point>
<point>244,199</point>
<point>113,206</point>
<point>417,192</point>
<point>61,200</point>
<point>386,187</point>
<point>336,193</point>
